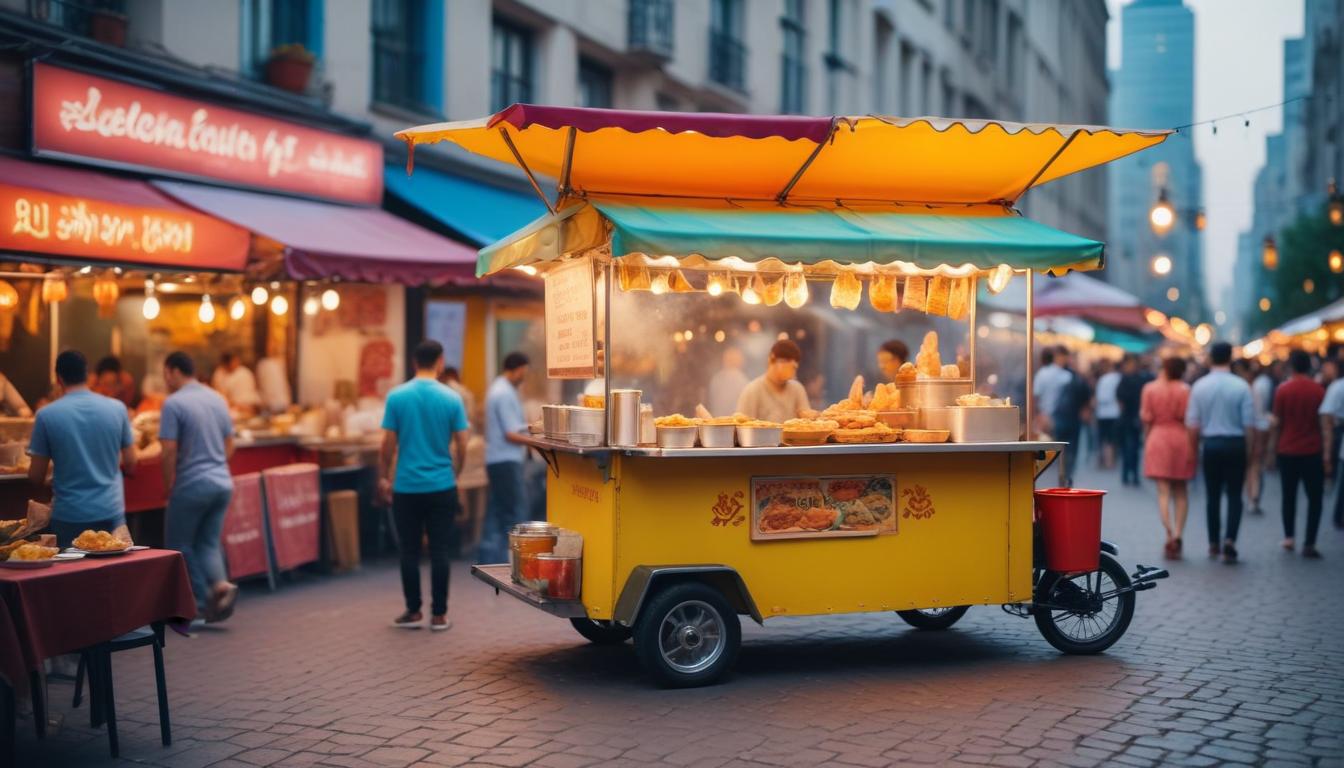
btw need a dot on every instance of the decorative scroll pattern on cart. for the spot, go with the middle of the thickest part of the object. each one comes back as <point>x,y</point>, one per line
<point>822,506</point>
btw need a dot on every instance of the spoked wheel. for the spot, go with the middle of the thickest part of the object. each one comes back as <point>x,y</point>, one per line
<point>601,632</point>
<point>934,618</point>
<point>1086,613</point>
<point>687,636</point>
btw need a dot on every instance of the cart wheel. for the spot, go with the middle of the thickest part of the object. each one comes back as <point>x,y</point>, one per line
<point>687,635</point>
<point>934,618</point>
<point>601,632</point>
<point>1083,614</point>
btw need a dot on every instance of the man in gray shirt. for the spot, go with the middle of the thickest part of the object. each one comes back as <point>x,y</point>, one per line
<point>777,395</point>
<point>1221,415</point>
<point>197,436</point>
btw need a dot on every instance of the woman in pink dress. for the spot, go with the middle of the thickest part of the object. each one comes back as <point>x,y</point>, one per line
<point>1168,457</point>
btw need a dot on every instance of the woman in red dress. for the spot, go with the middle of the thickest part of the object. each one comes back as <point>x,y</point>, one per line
<point>1168,456</point>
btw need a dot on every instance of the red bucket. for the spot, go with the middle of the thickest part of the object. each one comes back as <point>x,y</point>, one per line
<point>1070,520</point>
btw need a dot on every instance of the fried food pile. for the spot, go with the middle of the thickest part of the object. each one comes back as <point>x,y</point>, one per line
<point>98,541</point>
<point>723,421</point>
<point>877,432</point>
<point>759,423</point>
<point>885,398</point>
<point>33,552</point>
<point>810,425</point>
<point>673,420</point>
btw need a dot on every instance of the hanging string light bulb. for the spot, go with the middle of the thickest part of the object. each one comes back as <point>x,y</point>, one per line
<point>206,312</point>
<point>716,284</point>
<point>1269,254</point>
<point>150,309</point>
<point>310,306</point>
<point>749,294</point>
<point>260,295</point>
<point>659,284</point>
<point>331,300</point>
<point>795,289</point>
<point>237,308</point>
<point>279,305</point>
<point>1336,261</point>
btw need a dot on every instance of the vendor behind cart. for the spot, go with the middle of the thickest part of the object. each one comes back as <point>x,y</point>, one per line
<point>777,395</point>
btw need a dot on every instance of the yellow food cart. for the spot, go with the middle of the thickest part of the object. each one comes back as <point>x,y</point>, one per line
<point>677,543</point>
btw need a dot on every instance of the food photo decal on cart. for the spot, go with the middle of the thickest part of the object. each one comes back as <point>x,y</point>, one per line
<point>802,506</point>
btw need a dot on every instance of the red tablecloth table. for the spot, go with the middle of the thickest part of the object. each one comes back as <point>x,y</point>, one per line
<point>73,605</point>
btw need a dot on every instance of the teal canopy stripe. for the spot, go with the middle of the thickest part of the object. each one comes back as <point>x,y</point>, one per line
<point>810,236</point>
<point>1126,340</point>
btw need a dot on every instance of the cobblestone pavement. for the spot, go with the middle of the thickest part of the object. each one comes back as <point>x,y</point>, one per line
<point>1222,665</point>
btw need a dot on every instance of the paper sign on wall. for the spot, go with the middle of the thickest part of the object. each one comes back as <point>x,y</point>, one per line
<point>571,350</point>
<point>446,323</point>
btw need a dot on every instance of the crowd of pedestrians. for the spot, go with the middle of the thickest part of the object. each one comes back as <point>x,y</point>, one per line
<point>1229,421</point>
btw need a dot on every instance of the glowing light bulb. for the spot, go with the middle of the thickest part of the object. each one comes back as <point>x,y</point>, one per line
<point>237,308</point>
<point>1336,261</point>
<point>527,269</point>
<point>1162,217</point>
<point>714,285</point>
<point>279,305</point>
<point>206,313</point>
<point>659,286</point>
<point>260,295</point>
<point>998,279</point>
<point>310,306</point>
<point>795,290</point>
<point>150,309</point>
<point>331,299</point>
<point>1161,265</point>
<point>689,334</point>
<point>719,336</point>
<point>749,294</point>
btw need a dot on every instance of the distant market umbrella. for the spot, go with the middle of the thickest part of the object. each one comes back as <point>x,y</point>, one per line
<point>1078,295</point>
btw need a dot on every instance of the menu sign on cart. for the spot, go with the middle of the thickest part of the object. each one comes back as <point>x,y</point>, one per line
<point>245,529</point>
<point>293,507</point>
<point>809,506</point>
<point>76,114</point>
<point>571,349</point>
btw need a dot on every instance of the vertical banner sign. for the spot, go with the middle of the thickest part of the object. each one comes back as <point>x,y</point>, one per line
<point>245,529</point>
<point>446,323</point>
<point>571,351</point>
<point>293,506</point>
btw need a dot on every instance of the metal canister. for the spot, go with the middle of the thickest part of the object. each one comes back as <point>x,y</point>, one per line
<point>623,410</point>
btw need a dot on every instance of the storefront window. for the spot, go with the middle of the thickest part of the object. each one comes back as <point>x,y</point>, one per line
<point>794,84</point>
<point>270,24</point>
<point>594,84</point>
<point>407,36</point>
<point>511,65</point>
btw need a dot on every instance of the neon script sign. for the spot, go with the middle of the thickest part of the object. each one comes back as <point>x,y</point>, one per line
<point>38,222</point>
<point>75,114</point>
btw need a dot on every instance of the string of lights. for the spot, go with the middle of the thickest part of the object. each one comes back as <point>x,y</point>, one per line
<point>1242,114</point>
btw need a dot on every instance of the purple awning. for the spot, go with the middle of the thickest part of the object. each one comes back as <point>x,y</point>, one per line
<point>323,241</point>
<point>716,124</point>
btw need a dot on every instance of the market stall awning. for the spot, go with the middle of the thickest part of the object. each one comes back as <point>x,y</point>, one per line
<point>70,213</point>
<point>1078,295</point>
<point>323,241</point>
<point>974,240</point>
<point>480,212</point>
<point>767,157</point>
<point>1314,321</point>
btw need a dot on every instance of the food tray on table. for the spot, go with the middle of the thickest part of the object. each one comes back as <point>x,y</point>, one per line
<point>865,436</point>
<point>807,436</point>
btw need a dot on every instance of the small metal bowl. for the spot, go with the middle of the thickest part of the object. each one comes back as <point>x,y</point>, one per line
<point>759,437</point>
<point>676,437</point>
<point>717,435</point>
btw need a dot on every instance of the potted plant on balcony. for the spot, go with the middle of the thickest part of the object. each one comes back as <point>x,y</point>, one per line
<point>289,67</point>
<point>107,26</point>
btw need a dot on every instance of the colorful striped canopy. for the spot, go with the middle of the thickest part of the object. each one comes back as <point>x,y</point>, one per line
<point>613,153</point>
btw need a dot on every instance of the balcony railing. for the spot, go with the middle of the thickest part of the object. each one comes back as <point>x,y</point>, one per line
<point>651,28</point>
<point>727,60</point>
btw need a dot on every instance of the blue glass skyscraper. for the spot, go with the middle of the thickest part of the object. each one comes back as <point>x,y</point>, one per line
<point>1155,88</point>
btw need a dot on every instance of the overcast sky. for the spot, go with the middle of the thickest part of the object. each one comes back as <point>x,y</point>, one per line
<point>1238,66</point>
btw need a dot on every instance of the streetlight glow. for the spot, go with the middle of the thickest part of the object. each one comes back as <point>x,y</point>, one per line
<point>1336,261</point>
<point>1161,265</point>
<point>1269,254</point>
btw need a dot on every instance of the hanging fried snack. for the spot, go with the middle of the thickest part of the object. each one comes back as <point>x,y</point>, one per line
<point>915,293</point>
<point>928,361</point>
<point>633,276</point>
<point>939,288</point>
<point>846,291</point>
<point>795,290</point>
<point>772,292</point>
<point>960,298</point>
<point>882,293</point>
<point>678,282</point>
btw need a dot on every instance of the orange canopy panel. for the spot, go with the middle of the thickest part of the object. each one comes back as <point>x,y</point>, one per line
<point>769,157</point>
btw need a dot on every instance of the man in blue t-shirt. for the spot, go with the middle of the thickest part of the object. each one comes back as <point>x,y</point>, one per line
<point>196,432</point>
<point>506,502</point>
<point>425,440</point>
<point>85,436</point>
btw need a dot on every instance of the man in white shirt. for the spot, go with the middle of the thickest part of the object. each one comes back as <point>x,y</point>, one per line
<point>236,383</point>
<point>1108,413</point>
<point>777,395</point>
<point>725,386</point>
<point>1332,426</point>
<point>1048,385</point>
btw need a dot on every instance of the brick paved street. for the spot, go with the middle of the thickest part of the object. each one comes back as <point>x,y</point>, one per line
<point>1222,665</point>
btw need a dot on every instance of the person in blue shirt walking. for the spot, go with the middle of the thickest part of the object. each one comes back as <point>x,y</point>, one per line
<point>196,432</point>
<point>424,450</point>
<point>505,424</point>
<point>87,437</point>
<point>1221,416</point>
